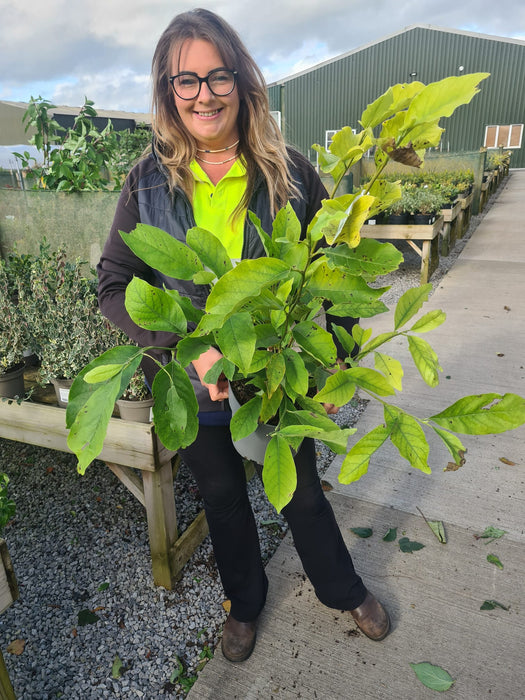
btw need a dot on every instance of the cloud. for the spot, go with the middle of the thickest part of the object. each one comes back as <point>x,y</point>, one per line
<point>103,48</point>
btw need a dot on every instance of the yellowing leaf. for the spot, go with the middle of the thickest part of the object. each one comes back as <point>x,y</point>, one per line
<point>227,604</point>
<point>17,647</point>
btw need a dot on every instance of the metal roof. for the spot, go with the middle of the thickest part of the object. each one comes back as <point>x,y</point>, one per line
<point>339,57</point>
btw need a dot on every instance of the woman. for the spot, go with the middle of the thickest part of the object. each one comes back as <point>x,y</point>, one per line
<point>217,152</point>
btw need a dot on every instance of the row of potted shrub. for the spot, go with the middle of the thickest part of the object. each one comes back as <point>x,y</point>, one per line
<point>424,195</point>
<point>49,313</point>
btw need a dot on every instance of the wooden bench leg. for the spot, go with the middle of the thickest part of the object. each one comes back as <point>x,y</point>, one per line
<point>6,689</point>
<point>445,238</point>
<point>159,499</point>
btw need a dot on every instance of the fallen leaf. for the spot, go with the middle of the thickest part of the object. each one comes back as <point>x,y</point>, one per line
<point>16,647</point>
<point>500,354</point>
<point>491,533</point>
<point>433,677</point>
<point>436,526</point>
<point>507,461</point>
<point>362,531</point>
<point>87,617</point>
<point>391,535</point>
<point>99,607</point>
<point>50,470</point>
<point>493,559</point>
<point>507,308</point>
<point>326,485</point>
<point>103,586</point>
<point>491,604</point>
<point>74,632</point>
<point>227,605</point>
<point>116,668</point>
<point>408,546</point>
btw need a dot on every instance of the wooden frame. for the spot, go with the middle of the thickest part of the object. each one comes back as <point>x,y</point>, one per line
<point>129,446</point>
<point>428,235</point>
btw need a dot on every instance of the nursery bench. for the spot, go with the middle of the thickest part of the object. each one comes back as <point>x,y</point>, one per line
<point>128,446</point>
<point>427,234</point>
<point>452,225</point>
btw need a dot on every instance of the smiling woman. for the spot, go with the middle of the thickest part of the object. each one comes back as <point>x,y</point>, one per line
<point>217,154</point>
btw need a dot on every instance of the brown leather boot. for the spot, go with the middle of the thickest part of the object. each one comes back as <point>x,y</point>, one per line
<point>238,639</point>
<point>372,618</point>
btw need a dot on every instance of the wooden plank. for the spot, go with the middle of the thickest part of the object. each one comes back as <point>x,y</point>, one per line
<point>8,584</point>
<point>162,521</point>
<point>187,543</point>
<point>450,214</point>
<point>402,232</point>
<point>6,689</point>
<point>127,442</point>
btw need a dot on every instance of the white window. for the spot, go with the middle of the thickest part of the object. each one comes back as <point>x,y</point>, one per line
<point>328,136</point>
<point>503,136</point>
<point>277,116</point>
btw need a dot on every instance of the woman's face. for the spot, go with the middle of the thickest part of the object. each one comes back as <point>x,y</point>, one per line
<point>211,120</point>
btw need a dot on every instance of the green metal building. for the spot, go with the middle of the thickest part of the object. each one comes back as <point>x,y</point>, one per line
<point>314,103</point>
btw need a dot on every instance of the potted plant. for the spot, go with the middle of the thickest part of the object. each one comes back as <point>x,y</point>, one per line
<point>14,335</point>
<point>262,314</point>
<point>61,308</point>
<point>136,402</point>
<point>427,202</point>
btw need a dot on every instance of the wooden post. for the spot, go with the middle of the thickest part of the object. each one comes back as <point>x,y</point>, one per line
<point>8,594</point>
<point>478,180</point>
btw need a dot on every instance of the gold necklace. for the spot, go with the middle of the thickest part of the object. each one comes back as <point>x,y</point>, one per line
<point>219,162</point>
<point>219,150</point>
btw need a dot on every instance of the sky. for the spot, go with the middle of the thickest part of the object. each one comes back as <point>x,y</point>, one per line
<point>66,50</point>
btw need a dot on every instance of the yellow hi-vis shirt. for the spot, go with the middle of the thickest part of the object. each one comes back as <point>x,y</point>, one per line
<point>213,205</point>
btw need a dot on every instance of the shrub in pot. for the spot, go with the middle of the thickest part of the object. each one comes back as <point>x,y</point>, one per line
<point>136,402</point>
<point>262,315</point>
<point>15,338</point>
<point>61,308</point>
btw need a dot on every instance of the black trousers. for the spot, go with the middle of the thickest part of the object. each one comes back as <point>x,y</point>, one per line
<point>219,472</point>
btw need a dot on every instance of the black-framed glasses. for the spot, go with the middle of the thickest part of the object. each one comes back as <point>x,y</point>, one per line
<point>220,82</point>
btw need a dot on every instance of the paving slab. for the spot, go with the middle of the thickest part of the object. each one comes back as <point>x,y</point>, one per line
<point>305,650</point>
<point>434,595</point>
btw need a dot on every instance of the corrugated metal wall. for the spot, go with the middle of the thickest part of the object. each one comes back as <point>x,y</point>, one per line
<point>335,94</point>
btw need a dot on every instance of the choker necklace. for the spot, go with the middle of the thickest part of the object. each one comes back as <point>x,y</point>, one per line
<point>219,150</point>
<point>219,162</point>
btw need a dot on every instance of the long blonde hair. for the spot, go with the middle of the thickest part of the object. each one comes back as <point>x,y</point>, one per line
<point>261,143</point>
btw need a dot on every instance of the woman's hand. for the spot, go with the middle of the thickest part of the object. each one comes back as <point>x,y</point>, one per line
<point>218,391</point>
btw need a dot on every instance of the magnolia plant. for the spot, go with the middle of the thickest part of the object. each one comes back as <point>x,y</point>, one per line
<point>262,315</point>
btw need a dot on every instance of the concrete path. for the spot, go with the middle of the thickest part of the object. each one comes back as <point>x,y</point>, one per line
<point>305,650</point>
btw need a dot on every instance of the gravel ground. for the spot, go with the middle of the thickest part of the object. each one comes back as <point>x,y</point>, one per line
<point>80,551</point>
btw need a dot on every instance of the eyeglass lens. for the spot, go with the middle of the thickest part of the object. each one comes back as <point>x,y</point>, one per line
<point>187,85</point>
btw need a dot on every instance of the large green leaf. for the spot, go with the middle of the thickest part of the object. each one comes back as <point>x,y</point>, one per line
<point>246,419</point>
<point>175,408</point>
<point>336,440</point>
<point>246,280</point>
<point>162,252</point>
<point>370,258</point>
<point>339,286</point>
<point>483,414</point>
<point>127,356</point>
<point>210,250</point>
<point>433,677</point>
<point>190,348</point>
<point>275,371</point>
<point>338,389</point>
<point>265,238</point>
<point>425,360</point>
<point>236,340</point>
<point>408,436</point>
<point>356,462</point>
<point>316,341</point>
<point>391,368</point>
<point>453,445</point>
<point>296,377</point>
<point>410,303</point>
<point>393,100</point>
<point>371,380</point>
<point>286,225</point>
<point>441,98</point>
<point>88,431</point>
<point>152,308</point>
<point>279,473</point>
<point>430,321</point>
